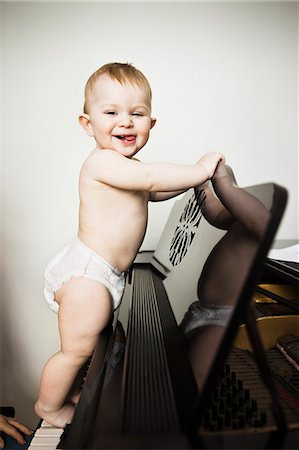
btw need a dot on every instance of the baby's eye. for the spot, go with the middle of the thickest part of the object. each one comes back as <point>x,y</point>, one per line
<point>137,114</point>
<point>110,113</point>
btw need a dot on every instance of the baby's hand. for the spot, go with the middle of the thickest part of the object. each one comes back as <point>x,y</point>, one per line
<point>209,162</point>
<point>220,171</point>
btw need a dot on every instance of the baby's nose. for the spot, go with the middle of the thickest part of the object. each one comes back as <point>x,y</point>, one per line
<point>125,120</point>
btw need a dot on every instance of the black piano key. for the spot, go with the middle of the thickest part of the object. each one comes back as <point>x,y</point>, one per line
<point>63,436</point>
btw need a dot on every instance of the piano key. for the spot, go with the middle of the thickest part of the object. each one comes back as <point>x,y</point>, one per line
<point>46,437</point>
<point>45,424</point>
<point>45,440</point>
<point>49,432</point>
<point>41,447</point>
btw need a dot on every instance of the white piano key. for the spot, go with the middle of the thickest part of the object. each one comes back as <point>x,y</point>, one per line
<point>45,440</point>
<point>46,437</point>
<point>47,431</point>
<point>45,424</point>
<point>41,447</point>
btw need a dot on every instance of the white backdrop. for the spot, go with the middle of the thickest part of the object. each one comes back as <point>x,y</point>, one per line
<point>224,77</point>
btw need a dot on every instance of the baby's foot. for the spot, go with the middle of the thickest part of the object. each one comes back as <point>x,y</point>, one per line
<point>74,399</point>
<point>59,418</point>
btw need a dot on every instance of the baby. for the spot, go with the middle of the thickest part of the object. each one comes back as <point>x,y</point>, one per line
<point>85,281</point>
<point>225,271</point>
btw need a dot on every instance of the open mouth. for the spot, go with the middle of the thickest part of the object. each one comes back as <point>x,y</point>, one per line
<point>128,139</point>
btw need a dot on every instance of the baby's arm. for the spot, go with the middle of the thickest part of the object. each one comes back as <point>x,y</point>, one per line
<point>207,161</point>
<point>161,196</point>
<point>244,207</point>
<point>214,211</point>
<point>111,168</point>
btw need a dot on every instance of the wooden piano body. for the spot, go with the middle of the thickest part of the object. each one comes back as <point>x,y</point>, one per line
<point>140,390</point>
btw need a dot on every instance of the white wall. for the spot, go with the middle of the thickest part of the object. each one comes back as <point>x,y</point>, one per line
<point>224,77</point>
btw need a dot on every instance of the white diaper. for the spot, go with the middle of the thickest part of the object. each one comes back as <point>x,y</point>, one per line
<point>199,315</point>
<point>78,260</point>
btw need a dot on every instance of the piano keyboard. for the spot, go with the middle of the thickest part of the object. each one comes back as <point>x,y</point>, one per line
<point>46,437</point>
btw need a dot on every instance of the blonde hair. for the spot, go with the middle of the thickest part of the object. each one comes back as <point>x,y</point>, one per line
<point>121,72</point>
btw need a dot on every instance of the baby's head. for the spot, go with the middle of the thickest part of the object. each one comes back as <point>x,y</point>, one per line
<point>117,108</point>
<point>124,73</point>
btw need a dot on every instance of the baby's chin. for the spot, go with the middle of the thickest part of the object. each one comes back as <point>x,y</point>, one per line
<point>125,150</point>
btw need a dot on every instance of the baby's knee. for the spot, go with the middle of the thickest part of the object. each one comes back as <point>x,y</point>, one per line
<point>80,354</point>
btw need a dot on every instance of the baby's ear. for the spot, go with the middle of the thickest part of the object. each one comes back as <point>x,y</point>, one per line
<point>153,122</point>
<point>85,123</point>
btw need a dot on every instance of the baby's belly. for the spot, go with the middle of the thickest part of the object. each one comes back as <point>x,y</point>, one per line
<point>118,250</point>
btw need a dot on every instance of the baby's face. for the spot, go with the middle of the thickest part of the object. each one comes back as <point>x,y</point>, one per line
<point>120,116</point>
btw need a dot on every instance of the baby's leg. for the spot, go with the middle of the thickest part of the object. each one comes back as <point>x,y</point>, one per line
<point>84,311</point>
<point>75,392</point>
<point>202,349</point>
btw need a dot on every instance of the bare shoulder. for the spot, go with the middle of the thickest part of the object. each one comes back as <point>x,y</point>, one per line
<point>114,169</point>
<point>103,156</point>
<point>100,160</point>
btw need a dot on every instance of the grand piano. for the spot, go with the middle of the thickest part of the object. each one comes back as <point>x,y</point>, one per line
<point>203,351</point>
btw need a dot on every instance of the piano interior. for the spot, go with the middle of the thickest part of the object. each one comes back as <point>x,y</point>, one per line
<point>204,349</point>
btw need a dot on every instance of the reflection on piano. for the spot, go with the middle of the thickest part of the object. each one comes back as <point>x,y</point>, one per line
<point>140,390</point>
